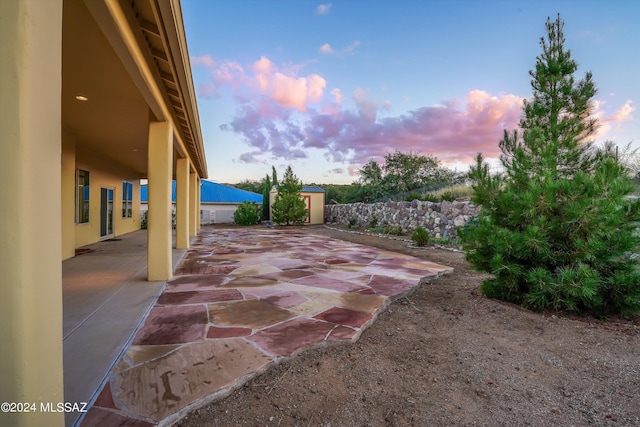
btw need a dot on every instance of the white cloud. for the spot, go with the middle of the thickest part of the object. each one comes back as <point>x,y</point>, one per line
<point>326,48</point>
<point>351,48</point>
<point>347,51</point>
<point>623,114</point>
<point>323,9</point>
<point>338,94</point>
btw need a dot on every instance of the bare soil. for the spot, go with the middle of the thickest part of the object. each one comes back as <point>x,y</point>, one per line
<point>448,356</point>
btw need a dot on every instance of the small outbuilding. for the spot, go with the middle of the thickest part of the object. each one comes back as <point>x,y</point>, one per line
<point>218,202</point>
<point>313,198</point>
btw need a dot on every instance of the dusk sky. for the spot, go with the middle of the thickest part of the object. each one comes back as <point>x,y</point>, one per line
<point>324,87</point>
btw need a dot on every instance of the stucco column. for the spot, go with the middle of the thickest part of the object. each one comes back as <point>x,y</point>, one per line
<point>68,193</point>
<point>183,218</point>
<point>194,199</point>
<point>198,202</point>
<point>159,225</point>
<point>31,243</point>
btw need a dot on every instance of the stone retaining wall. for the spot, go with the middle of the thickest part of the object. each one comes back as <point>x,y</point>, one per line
<point>439,219</point>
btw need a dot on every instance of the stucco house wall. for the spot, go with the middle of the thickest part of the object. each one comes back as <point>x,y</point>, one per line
<point>100,86</point>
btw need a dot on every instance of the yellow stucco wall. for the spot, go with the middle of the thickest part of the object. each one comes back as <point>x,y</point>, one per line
<point>30,248</point>
<point>68,164</point>
<point>315,205</point>
<point>316,210</point>
<point>102,174</point>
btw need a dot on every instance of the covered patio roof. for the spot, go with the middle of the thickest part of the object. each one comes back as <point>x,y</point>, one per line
<point>118,77</point>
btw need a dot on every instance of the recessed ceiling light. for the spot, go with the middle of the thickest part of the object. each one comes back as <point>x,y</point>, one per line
<point>81,98</point>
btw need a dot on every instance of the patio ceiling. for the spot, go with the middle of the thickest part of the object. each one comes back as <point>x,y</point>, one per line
<point>98,63</point>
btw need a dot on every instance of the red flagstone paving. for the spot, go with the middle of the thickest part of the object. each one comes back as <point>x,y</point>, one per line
<point>173,325</point>
<point>242,299</point>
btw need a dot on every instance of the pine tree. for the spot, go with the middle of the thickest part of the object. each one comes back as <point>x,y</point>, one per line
<point>265,197</point>
<point>556,229</point>
<point>288,207</point>
<point>274,179</point>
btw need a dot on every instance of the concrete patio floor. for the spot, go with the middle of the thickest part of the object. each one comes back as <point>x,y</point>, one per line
<point>243,299</point>
<point>105,296</point>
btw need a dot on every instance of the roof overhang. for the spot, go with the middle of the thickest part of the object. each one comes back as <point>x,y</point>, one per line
<point>131,58</point>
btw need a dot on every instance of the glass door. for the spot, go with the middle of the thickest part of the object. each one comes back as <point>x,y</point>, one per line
<point>106,212</point>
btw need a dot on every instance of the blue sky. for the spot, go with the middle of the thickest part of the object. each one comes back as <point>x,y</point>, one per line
<point>326,86</point>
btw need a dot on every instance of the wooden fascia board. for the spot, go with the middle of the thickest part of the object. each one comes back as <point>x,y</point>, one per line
<point>114,22</point>
<point>172,13</point>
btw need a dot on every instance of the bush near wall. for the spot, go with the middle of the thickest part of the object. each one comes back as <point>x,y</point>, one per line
<point>439,219</point>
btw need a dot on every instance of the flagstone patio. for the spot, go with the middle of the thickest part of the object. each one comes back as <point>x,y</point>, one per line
<point>241,300</point>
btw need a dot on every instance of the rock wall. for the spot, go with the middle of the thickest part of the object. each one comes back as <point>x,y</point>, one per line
<point>439,219</point>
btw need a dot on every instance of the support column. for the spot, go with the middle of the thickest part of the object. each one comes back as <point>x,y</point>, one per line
<point>159,225</point>
<point>199,202</point>
<point>183,207</point>
<point>31,243</point>
<point>194,202</point>
<point>68,192</point>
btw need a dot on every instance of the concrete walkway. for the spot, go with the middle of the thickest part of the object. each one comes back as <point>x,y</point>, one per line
<point>105,297</point>
<point>242,300</point>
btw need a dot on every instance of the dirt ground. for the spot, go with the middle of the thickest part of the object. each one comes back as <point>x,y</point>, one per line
<point>448,356</point>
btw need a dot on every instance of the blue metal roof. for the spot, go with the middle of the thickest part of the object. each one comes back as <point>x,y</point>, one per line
<point>212,192</point>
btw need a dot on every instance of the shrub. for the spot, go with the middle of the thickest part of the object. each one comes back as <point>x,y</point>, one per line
<point>413,196</point>
<point>373,221</point>
<point>455,192</point>
<point>393,230</point>
<point>376,230</point>
<point>420,236</point>
<point>247,214</point>
<point>429,197</point>
<point>447,196</point>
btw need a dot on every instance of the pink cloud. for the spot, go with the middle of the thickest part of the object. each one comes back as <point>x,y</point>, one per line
<point>366,107</point>
<point>208,90</point>
<point>204,60</point>
<point>263,69</point>
<point>280,84</point>
<point>296,92</point>
<point>282,113</point>
<point>607,121</point>
<point>623,114</point>
<point>224,73</point>
<point>454,132</point>
<point>315,87</point>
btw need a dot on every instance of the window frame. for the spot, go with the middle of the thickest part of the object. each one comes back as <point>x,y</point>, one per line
<point>127,199</point>
<point>83,196</point>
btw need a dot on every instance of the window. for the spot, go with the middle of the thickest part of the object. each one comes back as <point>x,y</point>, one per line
<point>82,196</point>
<point>127,199</point>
